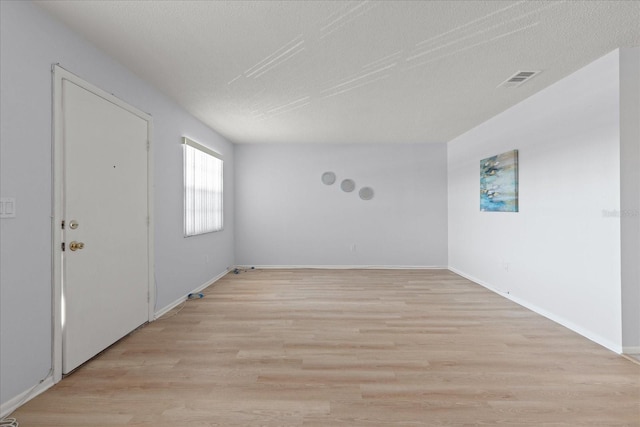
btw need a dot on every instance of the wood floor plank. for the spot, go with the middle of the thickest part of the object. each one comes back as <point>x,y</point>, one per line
<point>346,348</point>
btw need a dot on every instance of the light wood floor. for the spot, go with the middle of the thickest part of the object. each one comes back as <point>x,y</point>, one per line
<point>347,348</point>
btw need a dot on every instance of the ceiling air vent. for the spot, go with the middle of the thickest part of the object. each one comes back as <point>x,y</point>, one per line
<point>518,78</point>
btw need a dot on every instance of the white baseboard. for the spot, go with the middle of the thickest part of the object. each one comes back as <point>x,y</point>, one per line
<point>344,267</point>
<point>631,350</point>
<point>11,405</point>
<point>551,316</point>
<point>174,304</point>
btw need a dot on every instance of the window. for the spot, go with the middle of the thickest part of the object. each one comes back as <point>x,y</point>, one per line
<point>202,189</point>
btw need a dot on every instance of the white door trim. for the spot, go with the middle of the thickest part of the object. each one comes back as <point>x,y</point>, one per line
<point>58,75</point>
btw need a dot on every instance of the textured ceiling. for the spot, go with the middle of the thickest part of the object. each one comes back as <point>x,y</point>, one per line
<point>351,71</point>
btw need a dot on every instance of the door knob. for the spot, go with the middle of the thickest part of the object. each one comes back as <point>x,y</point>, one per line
<point>74,246</point>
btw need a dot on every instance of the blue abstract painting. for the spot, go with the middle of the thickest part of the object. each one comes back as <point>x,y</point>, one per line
<point>499,183</point>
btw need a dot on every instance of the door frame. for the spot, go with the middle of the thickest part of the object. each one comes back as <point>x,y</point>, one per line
<point>59,74</point>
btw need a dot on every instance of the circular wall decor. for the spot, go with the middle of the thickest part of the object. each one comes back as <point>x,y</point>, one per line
<point>348,185</point>
<point>328,178</point>
<point>366,193</point>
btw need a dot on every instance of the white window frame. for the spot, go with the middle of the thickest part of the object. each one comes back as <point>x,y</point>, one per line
<point>203,187</point>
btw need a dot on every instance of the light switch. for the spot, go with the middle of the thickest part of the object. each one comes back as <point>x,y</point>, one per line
<point>7,207</point>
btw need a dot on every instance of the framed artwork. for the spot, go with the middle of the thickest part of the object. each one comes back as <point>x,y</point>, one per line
<point>499,183</point>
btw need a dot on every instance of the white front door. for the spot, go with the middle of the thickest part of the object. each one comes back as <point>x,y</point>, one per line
<point>105,261</point>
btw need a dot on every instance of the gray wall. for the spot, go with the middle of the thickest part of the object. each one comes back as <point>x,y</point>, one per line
<point>560,255</point>
<point>30,42</point>
<point>285,215</point>
<point>630,196</point>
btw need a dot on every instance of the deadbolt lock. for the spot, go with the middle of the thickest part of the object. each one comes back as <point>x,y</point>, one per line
<point>74,246</point>
<point>73,224</point>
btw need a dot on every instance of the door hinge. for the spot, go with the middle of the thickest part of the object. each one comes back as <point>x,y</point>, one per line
<point>63,224</point>
<point>62,246</point>
<point>148,145</point>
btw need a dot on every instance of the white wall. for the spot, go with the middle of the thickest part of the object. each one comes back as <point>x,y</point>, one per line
<point>30,42</point>
<point>630,196</point>
<point>285,215</point>
<point>560,255</point>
